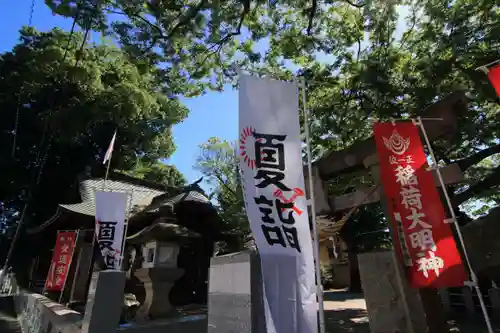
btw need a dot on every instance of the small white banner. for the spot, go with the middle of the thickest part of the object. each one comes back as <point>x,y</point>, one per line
<point>110,214</point>
<point>275,200</point>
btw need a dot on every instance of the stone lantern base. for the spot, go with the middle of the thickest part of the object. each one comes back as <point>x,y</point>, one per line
<point>158,282</point>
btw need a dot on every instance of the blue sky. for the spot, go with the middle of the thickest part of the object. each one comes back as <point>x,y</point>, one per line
<point>213,114</point>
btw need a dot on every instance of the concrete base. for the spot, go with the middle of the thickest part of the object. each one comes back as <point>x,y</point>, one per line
<point>104,303</point>
<point>393,306</point>
<point>235,301</point>
<point>494,294</point>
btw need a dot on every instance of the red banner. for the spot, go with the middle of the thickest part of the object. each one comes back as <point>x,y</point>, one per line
<point>494,76</point>
<point>61,260</point>
<point>422,237</point>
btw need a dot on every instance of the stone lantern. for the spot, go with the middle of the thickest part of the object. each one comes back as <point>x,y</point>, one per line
<point>156,265</point>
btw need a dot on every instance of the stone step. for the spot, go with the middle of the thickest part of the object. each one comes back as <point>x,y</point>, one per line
<point>8,317</point>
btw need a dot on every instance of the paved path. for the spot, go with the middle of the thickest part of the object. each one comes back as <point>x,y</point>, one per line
<point>345,312</point>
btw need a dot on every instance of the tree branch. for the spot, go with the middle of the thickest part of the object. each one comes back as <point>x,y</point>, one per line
<point>354,4</point>
<point>490,181</point>
<point>192,12</point>
<point>467,162</point>
<point>223,183</point>
<point>312,13</point>
<point>217,46</point>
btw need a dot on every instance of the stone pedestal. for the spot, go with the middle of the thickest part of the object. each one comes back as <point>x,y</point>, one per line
<point>393,307</point>
<point>444,294</point>
<point>235,301</point>
<point>494,294</point>
<point>104,303</point>
<point>157,283</point>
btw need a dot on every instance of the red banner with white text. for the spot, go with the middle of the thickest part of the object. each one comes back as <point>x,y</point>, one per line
<point>422,237</point>
<point>494,76</point>
<point>61,260</point>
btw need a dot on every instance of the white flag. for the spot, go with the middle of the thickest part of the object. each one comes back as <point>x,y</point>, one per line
<point>109,152</point>
<point>273,185</point>
<point>110,213</point>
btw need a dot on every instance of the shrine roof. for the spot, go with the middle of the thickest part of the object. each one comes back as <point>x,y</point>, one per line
<point>162,231</point>
<point>144,198</point>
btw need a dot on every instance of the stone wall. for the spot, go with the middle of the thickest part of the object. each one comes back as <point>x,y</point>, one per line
<point>235,294</point>
<point>482,238</point>
<point>38,314</point>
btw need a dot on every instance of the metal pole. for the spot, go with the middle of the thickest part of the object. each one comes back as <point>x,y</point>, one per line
<point>313,212</point>
<point>457,227</point>
<point>127,216</point>
<point>485,67</point>
<point>92,261</point>
<point>106,176</point>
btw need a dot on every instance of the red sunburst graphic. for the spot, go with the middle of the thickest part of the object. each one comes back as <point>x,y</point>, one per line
<point>245,152</point>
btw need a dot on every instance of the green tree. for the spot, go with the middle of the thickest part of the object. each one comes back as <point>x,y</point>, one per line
<point>219,163</point>
<point>360,61</point>
<point>60,106</point>
<point>358,64</point>
<point>158,172</point>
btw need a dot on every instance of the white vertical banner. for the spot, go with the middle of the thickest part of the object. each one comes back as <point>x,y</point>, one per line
<point>110,214</point>
<point>273,185</point>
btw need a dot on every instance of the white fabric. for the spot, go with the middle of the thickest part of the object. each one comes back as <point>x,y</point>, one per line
<point>271,107</point>
<point>111,207</point>
<point>109,152</point>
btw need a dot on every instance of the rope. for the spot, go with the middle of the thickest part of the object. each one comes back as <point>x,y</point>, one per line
<point>356,207</point>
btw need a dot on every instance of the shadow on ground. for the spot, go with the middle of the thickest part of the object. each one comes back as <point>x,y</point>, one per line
<point>346,321</point>
<point>345,312</point>
<point>341,296</point>
<point>467,324</point>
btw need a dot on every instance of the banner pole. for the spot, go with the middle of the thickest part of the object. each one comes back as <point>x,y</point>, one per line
<point>106,176</point>
<point>312,205</point>
<point>457,227</point>
<point>125,229</point>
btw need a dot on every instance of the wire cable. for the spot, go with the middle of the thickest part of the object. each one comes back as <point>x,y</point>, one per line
<point>36,175</point>
<point>21,90</point>
<point>78,57</point>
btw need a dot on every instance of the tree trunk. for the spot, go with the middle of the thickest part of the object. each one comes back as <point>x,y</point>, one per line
<point>467,162</point>
<point>352,258</point>
<point>354,276</point>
